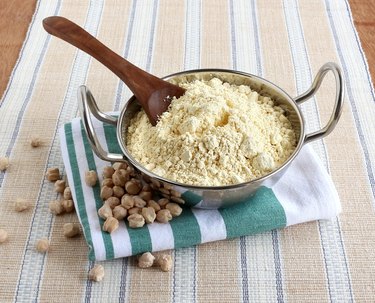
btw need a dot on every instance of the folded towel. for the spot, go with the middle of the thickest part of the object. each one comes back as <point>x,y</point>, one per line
<point>305,193</point>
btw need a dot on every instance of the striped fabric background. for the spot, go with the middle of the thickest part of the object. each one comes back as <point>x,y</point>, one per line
<point>285,41</point>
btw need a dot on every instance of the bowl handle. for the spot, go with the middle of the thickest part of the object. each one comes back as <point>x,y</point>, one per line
<point>88,106</point>
<point>339,99</point>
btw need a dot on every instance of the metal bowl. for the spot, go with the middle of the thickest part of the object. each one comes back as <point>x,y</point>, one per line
<point>214,196</point>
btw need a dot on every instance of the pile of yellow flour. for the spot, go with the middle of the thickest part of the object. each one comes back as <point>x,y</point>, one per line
<point>215,134</point>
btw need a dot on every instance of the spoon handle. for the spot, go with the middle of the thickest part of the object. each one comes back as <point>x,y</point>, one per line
<point>133,76</point>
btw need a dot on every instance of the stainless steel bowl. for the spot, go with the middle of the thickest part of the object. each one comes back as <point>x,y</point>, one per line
<point>216,196</point>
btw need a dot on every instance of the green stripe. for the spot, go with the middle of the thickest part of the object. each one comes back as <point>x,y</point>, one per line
<point>78,188</point>
<point>185,228</point>
<point>260,213</point>
<point>96,190</point>
<point>111,138</point>
<point>190,198</point>
<point>140,239</point>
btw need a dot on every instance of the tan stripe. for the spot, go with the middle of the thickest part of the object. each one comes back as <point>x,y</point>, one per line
<point>347,163</point>
<point>167,58</point>
<point>59,265</point>
<point>217,281</point>
<point>303,267</point>
<point>24,177</point>
<point>215,42</point>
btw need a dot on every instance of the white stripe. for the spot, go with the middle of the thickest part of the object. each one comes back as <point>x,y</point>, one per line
<point>211,224</point>
<point>161,236</point>
<point>192,36</point>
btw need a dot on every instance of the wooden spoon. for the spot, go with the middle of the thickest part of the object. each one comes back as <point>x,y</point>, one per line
<point>153,93</point>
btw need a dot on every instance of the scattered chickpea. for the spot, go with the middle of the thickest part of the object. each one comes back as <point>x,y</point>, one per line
<point>112,202</point>
<point>118,191</point>
<point>134,210</point>
<point>60,186</point>
<point>71,230</point>
<point>96,273</point>
<point>164,191</point>
<point>105,212</point>
<point>68,205</point>
<point>133,186</point>
<point>136,221</point>
<point>108,172</point>
<point>4,163</point>
<point>165,262</point>
<point>53,174</point>
<point>125,173</point>
<point>67,195</point>
<point>146,260</point>
<point>145,195</point>
<point>3,235</point>
<point>119,165</point>
<point>149,214</point>
<point>178,200</point>
<point>91,178</point>
<point>111,224</point>
<point>127,201</point>
<point>108,182</point>
<point>154,205</point>
<point>174,209</point>
<point>42,245</point>
<point>139,202</point>
<point>118,179</point>
<point>146,188</point>
<point>175,193</point>
<point>163,202</point>
<point>21,205</point>
<point>163,216</point>
<point>119,212</point>
<point>35,141</point>
<point>106,192</point>
<point>56,207</point>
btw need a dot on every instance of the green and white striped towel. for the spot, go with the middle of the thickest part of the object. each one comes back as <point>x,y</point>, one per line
<point>305,193</point>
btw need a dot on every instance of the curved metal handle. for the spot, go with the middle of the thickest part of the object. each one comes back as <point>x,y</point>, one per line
<point>339,99</point>
<point>87,106</point>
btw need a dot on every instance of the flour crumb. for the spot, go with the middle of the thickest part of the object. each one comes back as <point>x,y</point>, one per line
<point>215,134</point>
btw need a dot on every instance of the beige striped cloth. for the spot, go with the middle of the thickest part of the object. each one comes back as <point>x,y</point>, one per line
<point>283,41</point>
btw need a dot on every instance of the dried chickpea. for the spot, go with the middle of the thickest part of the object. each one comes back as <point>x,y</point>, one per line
<point>53,174</point>
<point>118,179</point>
<point>133,186</point>
<point>154,205</point>
<point>155,183</point>
<point>42,245</point>
<point>125,174</point>
<point>4,163</point>
<point>21,205</point>
<point>108,182</point>
<point>163,202</point>
<point>174,208</point>
<point>139,202</point>
<point>146,187</point>
<point>91,178</point>
<point>106,192</point>
<point>118,191</point>
<point>3,235</point>
<point>149,214</point>
<point>71,230</point>
<point>164,191</point>
<point>136,221</point>
<point>175,193</point>
<point>119,212</point>
<point>67,195</point>
<point>56,207</point>
<point>178,200</point>
<point>163,216</point>
<point>145,195</point>
<point>131,171</point>
<point>127,201</point>
<point>112,202</point>
<point>146,260</point>
<point>134,210</point>
<point>35,141</point>
<point>60,186</point>
<point>110,225</point>
<point>119,165</point>
<point>68,205</point>
<point>108,172</point>
<point>165,262</point>
<point>105,212</point>
<point>96,273</point>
